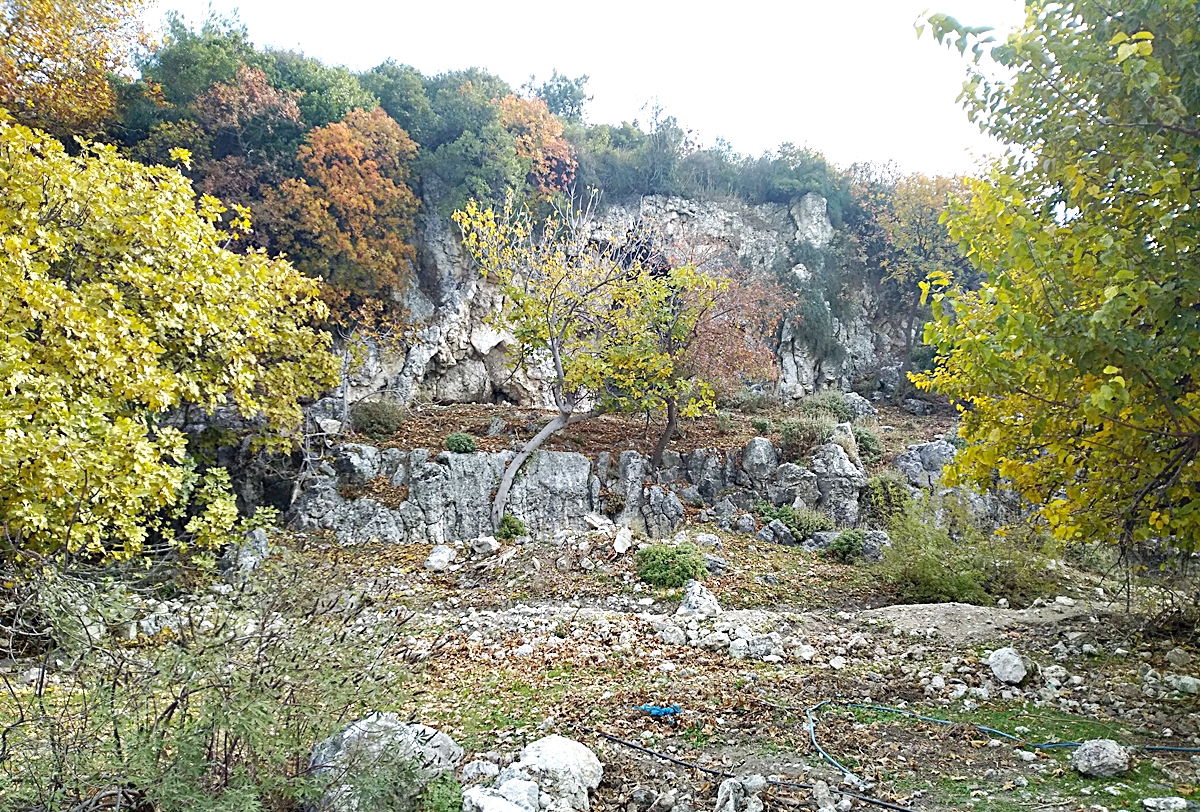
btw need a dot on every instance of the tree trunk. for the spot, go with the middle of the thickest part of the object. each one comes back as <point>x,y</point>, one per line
<point>560,421</point>
<point>668,432</point>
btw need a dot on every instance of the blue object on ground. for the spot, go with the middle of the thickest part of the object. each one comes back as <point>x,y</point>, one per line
<point>659,711</point>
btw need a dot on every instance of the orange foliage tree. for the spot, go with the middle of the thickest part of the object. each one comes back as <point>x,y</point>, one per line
<point>351,218</point>
<point>56,55</point>
<point>538,136</point>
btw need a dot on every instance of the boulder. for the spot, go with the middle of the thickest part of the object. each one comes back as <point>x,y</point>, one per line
<point>562,772</point>
<point>1100,758</point>
<point>860,407</point>
<point>839,481</point>
<point>759,460</point>
<point>922,464</point>
<point>777,532</point>
<point>440,558</point>
<point>1008,666</point>
<point>661,512</point>
<point>874,543</point>
<point>380,741</point>
<point>697,600</point>
<point>355,463</point>
<point>793,486</point>
<point>740,794</point>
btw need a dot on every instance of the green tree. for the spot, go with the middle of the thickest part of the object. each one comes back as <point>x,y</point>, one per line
<point>563,96</point>
<point>119,303</point>
<point>401,93</point>
<point>327,92</point>
<point>190,62</point>
<point>1076,363</point>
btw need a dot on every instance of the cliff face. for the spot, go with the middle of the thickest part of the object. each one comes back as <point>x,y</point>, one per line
<point>456,355</point>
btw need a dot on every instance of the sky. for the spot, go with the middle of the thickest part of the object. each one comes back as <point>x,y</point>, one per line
<point>849,78</point>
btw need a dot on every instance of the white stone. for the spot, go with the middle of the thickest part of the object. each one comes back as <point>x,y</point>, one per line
<point>1100,758</point>
<point>1008,666</point>
<point>624,540</point>
<point>564,770</point>
<point>697,600</point>
<point>441,558</point>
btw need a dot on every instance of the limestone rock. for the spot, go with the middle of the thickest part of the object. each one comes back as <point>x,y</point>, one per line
<point>441,558</point>
<point>838,481</point>
<point>1100,758</point>
<point>740,794</point>
<point>922,464</point>
<point>697,600</point>
<point>366,745</point>
<point>860,407</point>
<point>1008,666</point>
<point>355,463</point>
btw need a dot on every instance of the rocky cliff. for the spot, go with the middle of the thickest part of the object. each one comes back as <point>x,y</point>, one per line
<point>455,355</point>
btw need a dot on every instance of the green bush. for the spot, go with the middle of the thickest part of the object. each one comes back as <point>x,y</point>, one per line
<point>726,424</point>
<point>801,434</point>
<point>669,565</point>
<point>940,554</point>
<point>761,425</point>
<point>826,402</point>
<point>510,528</point>
<point>847,547</point>
<point>885,497</point>
<point>218,712</point>
<point>750,401</point>
<point>377,419</point>
<point>870,450</point>
<point>803,523</point>
<point>460,443</point>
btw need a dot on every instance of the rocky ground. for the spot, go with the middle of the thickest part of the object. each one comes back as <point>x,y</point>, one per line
<point>510,643</point>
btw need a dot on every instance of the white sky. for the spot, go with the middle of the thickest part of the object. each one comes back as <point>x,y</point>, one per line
<point>849,78</point>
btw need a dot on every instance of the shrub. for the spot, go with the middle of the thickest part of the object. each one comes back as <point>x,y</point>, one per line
<point>940,554</point>
<point>726,423</point>
<point>219,711</point>
<point>827,402</point>
<point>847,547</point>
<point>761,425</point>
<point>510,528</point>
<point>377,419</point>
<point>799,434</point>
<point>803,523</point>
<point>870,450</point>
<point>750,401</point>
<point>670,566</point>
<point>460,443</point>
<point>885,497</point>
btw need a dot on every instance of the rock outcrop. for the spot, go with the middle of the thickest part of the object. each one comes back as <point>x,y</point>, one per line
<point>446,497</point>
<point>455,355</point>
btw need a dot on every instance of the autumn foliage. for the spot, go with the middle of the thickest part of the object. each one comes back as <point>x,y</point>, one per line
<point>350,218</point>
<point>538,137</point>
<point>55,57</point>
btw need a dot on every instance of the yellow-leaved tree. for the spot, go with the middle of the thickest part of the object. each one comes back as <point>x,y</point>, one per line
<point>599,316</point>
<point>56,57</point>
<point>119,302</point>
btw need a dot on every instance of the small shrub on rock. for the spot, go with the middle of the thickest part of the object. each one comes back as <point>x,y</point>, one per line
<point>761,425</point>
<point>510,528</point>
<point>377,419</point>
<point>847,547</point>
<point>885,497</point>
<point>827,402</point>
<point>801,521</point>
<point>460,443</point>
<point>800,434</point>
<point>669,565</point>
<point>870,449</point>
